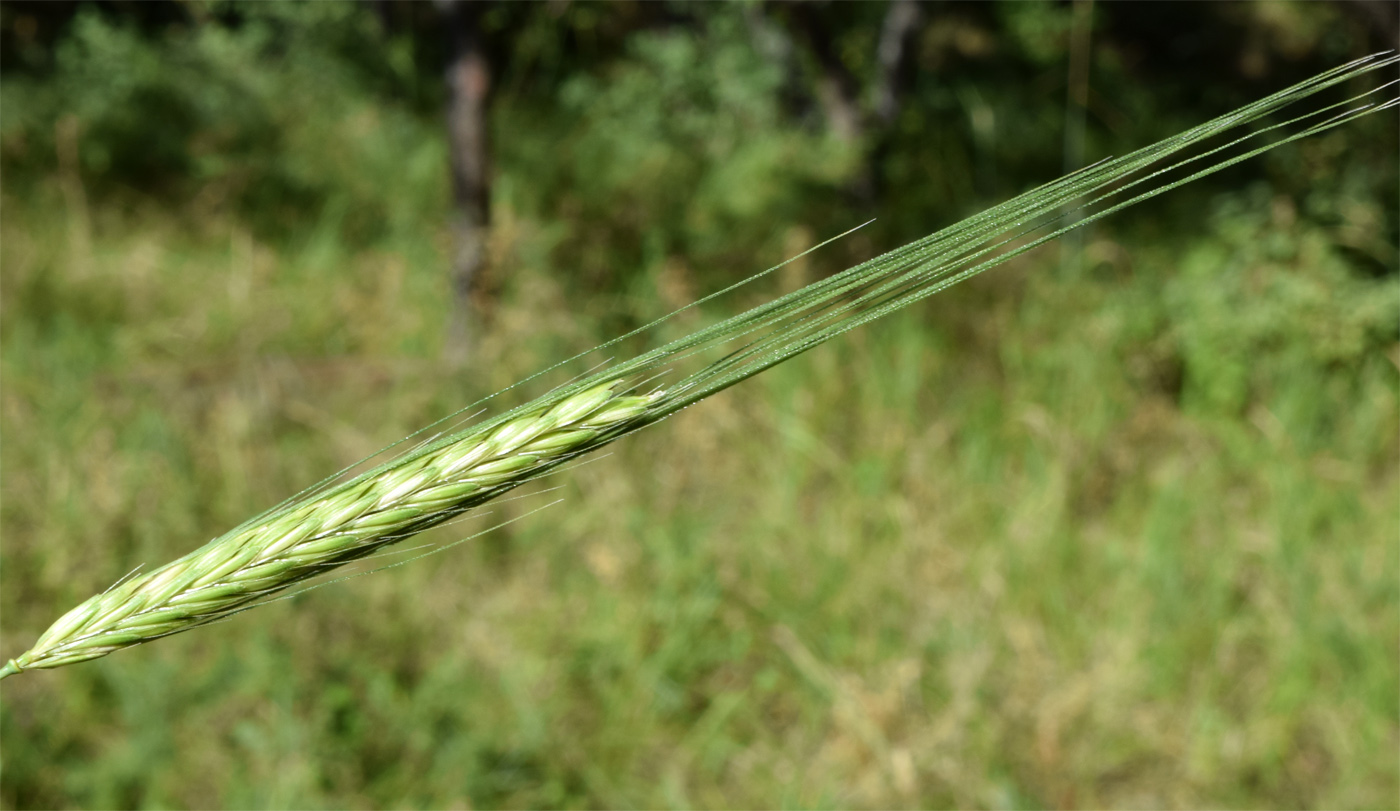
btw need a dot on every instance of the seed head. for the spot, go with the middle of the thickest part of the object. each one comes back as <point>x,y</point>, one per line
<point>354,520</point>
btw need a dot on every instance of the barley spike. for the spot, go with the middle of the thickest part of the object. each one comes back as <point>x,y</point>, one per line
<point>347,523</point>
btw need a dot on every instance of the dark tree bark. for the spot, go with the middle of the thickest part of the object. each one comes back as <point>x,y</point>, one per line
<point>469,91</point>
<point>900,21</point>
<point>839,91</point>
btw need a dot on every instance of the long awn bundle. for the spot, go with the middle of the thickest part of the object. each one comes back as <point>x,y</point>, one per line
<point>337,523</point>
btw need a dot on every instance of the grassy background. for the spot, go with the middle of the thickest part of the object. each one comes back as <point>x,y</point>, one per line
<point>1111,529</point>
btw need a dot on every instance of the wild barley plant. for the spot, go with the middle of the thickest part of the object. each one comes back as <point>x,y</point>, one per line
<point>335,524</point>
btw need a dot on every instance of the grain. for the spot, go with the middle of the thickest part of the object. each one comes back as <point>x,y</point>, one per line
<point>348,523</point>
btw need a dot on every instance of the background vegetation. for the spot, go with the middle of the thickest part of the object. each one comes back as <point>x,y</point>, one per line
<point>1111,526</point>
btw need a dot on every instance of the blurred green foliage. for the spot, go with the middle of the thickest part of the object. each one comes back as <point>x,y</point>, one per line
<point>1109,529</point>
<point>268,120</point>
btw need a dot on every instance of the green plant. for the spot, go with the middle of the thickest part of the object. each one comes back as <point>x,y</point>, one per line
<point>338,523</point>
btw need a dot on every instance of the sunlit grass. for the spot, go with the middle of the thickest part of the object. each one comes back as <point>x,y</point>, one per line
<point>1022,545</point>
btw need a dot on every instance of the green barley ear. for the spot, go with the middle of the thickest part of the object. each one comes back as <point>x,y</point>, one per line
<point>347,523</point>
<point>327,528</point>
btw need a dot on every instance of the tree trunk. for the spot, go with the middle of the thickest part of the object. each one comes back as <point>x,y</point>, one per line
<point>838,90</point>
<point>469,89</point>
<point>900,21</point>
